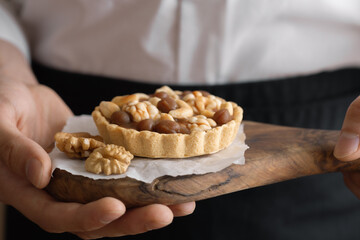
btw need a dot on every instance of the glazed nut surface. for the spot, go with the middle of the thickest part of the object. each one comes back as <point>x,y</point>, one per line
<point>141,110</point>
<point>166,116</point>
<point>184,110</point>
<point>200,123</point>
<point>77,145</point>
<point>228,106</point>
<point>122,100</point>
<point>169,91</point>
<point>201,104</point>
<point>108,108</point>
<point>204,105</point>
<point>110,159</point>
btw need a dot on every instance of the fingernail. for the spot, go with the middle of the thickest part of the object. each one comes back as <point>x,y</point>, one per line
<point>347,144</point>
<point>34,171</point>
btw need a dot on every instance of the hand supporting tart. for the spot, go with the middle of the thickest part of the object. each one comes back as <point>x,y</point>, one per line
<point>31,115</point>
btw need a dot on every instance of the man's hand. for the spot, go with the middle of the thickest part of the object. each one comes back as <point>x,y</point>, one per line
<point>347,147</point>
<point>30,115</point>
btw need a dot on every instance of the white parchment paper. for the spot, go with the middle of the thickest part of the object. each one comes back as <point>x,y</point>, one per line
<point>146,170</point>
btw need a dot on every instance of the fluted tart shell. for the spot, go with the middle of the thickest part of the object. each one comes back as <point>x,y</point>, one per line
<point>152,144</point>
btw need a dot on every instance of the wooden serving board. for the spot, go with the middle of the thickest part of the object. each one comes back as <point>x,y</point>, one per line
<point>276,154</point>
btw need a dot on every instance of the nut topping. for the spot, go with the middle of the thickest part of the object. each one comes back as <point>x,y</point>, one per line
<point>77,145</point>
<point>184,110</point>
<point>222,116</point>
<point>110,159</point>
<point>167,104</point>
<point>146,125</point>
<point>161,95</point>
<point>147,112</point>
<point>122,100</point>
<point>141,110</point>
<point>167,126</point>
<point>120,118</point>
<point>108,108</point>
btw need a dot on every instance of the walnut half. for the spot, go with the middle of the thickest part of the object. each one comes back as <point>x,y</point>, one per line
<point>77,145</point>
<point>110,159</point>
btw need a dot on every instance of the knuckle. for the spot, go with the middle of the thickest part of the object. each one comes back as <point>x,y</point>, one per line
<point>7,150</point>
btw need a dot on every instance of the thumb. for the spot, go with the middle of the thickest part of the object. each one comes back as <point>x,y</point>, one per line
<point>347,146</point>
<point>24,156</point>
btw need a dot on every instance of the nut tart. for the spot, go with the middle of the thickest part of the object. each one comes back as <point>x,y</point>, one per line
<point>168,123</point>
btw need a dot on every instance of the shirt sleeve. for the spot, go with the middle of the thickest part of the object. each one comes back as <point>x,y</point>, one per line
<point>11,31</point>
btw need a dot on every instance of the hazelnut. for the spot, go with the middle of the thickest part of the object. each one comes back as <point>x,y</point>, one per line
<point>166,105</point>
<point>161,95</point>
<point>222,116</point>
<point>146,124</point>
<point>120,118</point>
<point>167,126</point>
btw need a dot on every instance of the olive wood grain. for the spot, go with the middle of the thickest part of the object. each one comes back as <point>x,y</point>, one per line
<point>276,154</point>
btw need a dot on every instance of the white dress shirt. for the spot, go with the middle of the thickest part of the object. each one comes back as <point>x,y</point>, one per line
<point>10,29</point>
<point>194,41</point>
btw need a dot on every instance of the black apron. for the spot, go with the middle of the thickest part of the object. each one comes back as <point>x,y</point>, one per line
<point>316,207</point>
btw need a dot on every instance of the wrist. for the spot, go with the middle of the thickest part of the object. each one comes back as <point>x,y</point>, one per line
<point>13,65</point>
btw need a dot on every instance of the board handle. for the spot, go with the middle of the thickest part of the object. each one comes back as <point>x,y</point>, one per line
<point>325,159</point>
<point>306,151</point>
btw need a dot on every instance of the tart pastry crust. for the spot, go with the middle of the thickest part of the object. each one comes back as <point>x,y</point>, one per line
<point>153,144</point>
